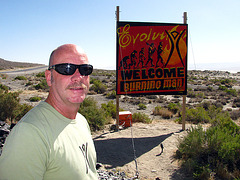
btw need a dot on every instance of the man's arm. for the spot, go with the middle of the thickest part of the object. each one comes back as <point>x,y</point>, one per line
<point>24,154</point>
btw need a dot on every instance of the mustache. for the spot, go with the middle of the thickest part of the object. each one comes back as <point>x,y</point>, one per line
<point>77,85</point>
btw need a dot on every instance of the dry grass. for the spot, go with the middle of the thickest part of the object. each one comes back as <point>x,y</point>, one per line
<point>165,113</point>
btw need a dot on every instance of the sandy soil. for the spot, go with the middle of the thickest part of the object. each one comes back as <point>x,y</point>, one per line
<point>116,150</point>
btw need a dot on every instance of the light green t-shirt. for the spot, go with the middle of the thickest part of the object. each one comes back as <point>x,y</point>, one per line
<point>46,145</point>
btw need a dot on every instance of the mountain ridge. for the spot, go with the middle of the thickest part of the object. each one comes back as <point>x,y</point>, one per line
<point>6,64</point>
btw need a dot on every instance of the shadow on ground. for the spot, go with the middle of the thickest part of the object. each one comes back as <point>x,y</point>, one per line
<point>181,174</point>
<point>118,152</point>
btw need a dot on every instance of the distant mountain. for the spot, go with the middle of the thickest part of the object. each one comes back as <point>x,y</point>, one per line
<point>232,67</point>
<point>5,64</point>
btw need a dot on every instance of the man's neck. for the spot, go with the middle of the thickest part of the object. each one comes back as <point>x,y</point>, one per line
<point>69,111</point>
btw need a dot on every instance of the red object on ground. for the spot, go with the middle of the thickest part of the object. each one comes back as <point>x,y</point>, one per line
<point>125,118</point>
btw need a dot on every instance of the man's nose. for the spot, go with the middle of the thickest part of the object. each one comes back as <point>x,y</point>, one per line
<point>77,76</point>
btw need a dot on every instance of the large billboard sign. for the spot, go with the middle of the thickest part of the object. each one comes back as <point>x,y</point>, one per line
<point>151,58</point>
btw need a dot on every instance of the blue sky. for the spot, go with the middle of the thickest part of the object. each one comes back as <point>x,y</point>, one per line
<point>31,29</point>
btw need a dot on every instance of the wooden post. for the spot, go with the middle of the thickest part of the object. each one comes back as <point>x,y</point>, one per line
<point>117,96</point>
<point>185,18</point>
<point>184,112</point>
<point>184,96</point>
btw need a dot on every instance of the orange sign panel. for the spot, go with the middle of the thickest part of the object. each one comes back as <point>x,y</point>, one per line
<point>151,58</point>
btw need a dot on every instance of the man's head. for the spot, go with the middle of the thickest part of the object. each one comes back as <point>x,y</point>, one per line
<point>67,75</point>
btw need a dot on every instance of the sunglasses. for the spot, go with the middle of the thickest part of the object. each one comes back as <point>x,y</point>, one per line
<point>69,69</point>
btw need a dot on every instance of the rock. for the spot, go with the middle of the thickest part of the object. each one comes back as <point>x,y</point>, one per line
<point>4,131</point>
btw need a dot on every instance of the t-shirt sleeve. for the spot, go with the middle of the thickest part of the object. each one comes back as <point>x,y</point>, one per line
<point>24,154</point>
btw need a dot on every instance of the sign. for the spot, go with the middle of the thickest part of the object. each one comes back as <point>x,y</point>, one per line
<point>151,58</point>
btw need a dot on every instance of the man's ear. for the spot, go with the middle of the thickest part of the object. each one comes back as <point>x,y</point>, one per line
<point>48,76</point>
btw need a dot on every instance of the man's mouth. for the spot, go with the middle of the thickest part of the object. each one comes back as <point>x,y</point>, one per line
<point>77,87</point>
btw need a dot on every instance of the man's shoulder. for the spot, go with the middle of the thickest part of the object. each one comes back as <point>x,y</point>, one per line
<point>36,111</point>
<point>81,118</point>
<point>38,114</point>
<point>82,121</point>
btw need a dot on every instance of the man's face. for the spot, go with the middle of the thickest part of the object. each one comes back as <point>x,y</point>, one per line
<point>69,88</point>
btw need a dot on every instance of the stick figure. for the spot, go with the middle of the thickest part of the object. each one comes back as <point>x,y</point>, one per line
<point>159,52</point>
<point>141,57</point>
<point>151,51</point>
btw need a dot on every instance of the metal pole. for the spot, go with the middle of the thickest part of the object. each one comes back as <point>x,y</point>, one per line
<point>117,96</point>
<point>184,96</point>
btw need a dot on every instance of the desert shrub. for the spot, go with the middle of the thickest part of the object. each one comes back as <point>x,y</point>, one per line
<point>175,100</point>
<point>192,77</point>
<point>215,80</point>
<point>191,94</point>
<point>223,138</point>
<point>100,72</point>
<point>142,106</point>
<point>95,116</point>
<point>156,110</point>
<point>225,81</point>
<point>222,101</point>
<point>35,99</point>
<point>213,150</point>
<point>196,115</point>
<point>42,85</point>
<point>231,91</point>
<point>3,76</point>
<point>97,86</point>
<point>22,109</point>
<point>223,88</point>
<point>210,88</point>
<point>235,114</point>
<point>141,117</point>
<point>218,104</point>
<point>236,102</point>
<point>165,113</point>
<point>151,96</point>
<point>10,108</point>
<point>110,109</point>
<point>105,81</point>
<point>111,95</point>
<point>28,83</point>
<point>173,107</point>
<point>191,146</point>
<point>3,87</point>
<point>202,115</point>
<point>160,99</point>
<point>200,95</point>
<point>20,78</point>
<point>206,104</point>
<point>214,112</point>
<point>40,74</point>
<point>92,80</point>
<point>176,96</point>
<point>8,105</point>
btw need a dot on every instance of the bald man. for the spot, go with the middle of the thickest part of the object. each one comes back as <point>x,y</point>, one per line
<point>53,141</point>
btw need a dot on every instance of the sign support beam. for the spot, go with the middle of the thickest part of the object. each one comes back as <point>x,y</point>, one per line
<point>184,96</point>
<point>117,96</point>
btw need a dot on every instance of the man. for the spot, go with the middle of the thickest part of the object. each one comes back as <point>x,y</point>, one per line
<point>141,57</point>
<point>159,54</point>
<point>53,141</point>
<point>151,51</point>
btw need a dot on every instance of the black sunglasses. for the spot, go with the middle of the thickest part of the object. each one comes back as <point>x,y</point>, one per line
<point>69,69</point>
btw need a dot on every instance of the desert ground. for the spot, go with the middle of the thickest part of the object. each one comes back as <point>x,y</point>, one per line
<point>137,149</point>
